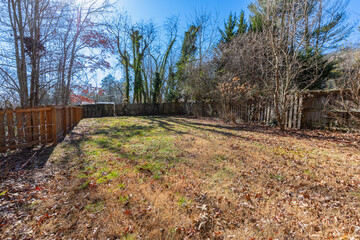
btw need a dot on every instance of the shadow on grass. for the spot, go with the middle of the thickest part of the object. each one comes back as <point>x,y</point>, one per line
<point>322,135</point>
<point>146,144</point>
<point>112,138</point>
<point>26,159</point>
<point>164,122</point>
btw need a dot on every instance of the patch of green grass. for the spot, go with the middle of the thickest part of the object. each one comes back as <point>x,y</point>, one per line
<point>296,153</point>
<point>84,185</point>
<point>101,180</point>
<point>184,202</point>
<point>157,175</point>
<point>34,203</point>
<point>310,173</point>
<point>107,177</point>
<point>277,177</point>
<point>96,207</point>
<point>355,194</point>
<point>81,175</point>
<point>224,173</point>
<point>221,158</point>
<point>123,199</point>
<point>156,169</point>
<point>112,175</point>
<point>129,237</point>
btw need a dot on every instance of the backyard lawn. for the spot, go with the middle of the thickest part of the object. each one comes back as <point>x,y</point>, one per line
<point>184,178</point>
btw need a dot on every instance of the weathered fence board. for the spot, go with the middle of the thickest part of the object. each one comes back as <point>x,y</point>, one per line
<point>30,127</point>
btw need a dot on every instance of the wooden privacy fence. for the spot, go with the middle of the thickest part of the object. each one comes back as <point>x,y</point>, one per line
<point>312,109</point>
<point>256,110</point>
<point>29,127</point>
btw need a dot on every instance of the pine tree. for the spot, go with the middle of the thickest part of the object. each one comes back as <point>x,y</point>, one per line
<point>316,66</point>
<point>256,23</point>
<point>242,25</point>
<point>229,32</point>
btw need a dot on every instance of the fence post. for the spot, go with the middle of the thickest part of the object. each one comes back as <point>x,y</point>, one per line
<point>73,112</point>
<point>20,126</point>
<point>11,129</point>
<point>54,125</point>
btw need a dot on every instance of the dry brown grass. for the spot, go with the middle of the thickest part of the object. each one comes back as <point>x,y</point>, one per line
<point>181,178</point>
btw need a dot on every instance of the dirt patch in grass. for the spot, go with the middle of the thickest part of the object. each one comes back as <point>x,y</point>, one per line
<point>183,178</point>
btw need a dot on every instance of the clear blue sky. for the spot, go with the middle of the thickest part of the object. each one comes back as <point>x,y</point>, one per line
<point>159,10</point>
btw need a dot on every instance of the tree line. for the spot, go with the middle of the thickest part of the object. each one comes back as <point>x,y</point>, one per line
<point>51,47</point>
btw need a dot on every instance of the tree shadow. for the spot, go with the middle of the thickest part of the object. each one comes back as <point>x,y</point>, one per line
<point>164,122</point>
<point>223,129</point>
<point>31,159</point>
<point>115,136</point>
<point>26,159</point>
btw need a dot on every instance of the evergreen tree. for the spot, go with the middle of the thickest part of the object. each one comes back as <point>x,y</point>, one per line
<point>229,31</point>
<point>317,70</point>
<point>256,23</point>
<point>242,24</point>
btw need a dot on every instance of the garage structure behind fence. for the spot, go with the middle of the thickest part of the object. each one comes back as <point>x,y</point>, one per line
<point>29,127</point>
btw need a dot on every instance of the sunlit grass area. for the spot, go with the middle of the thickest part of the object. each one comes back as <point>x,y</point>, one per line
<point>182,178</point>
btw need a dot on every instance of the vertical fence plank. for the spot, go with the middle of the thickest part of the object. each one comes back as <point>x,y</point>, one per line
<point>10,127</point>
<point>35,126</point>
<point>73,112</point>
<point>49,126</point>
<point>65,120</point>
<point>42,127</point>
<point>54,125</point>
<point>28,132</point>
<point>70,118</point>
<point>20,128</point>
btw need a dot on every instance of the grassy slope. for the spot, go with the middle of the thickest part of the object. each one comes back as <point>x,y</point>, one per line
<point>172,178</point>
